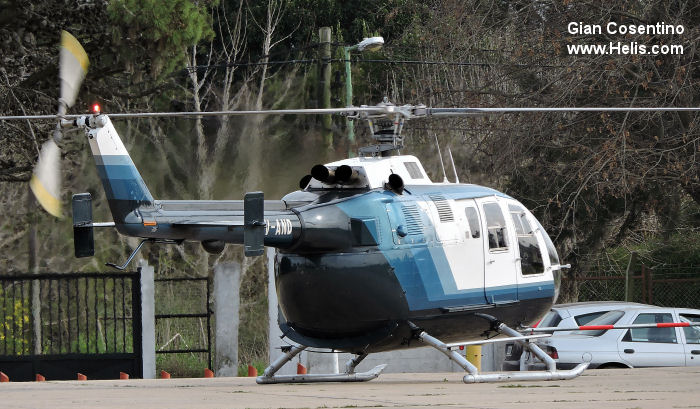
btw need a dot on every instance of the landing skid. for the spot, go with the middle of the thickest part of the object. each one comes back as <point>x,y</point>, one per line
<point>551,374</point>
<point>350,375</point>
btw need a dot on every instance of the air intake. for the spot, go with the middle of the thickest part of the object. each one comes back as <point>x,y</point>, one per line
<point>443,208</point>
<point>411,215</point>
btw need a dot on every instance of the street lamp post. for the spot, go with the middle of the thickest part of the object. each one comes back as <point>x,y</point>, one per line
<point>371,44</point>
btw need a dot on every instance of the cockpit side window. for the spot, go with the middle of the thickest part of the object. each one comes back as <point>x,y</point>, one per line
<point>551,250</point>
<point>530,254</point>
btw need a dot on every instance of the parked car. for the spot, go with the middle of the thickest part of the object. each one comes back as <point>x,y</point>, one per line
<point>564,316</point>
<point>629,348</point>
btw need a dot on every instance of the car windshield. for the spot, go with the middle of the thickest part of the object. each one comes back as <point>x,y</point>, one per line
<point>608,318</point>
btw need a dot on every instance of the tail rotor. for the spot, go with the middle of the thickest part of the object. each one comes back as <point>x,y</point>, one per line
<point>46,179</point>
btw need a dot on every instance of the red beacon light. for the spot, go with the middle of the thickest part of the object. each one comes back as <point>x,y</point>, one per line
<point>96,108</point>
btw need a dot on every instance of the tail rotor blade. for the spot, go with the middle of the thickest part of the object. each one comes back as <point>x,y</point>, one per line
<point>46,180</point>
<point>73,66</point>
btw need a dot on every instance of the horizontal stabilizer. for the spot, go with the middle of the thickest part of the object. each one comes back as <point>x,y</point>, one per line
<point>254,223</point>
<point>83,238</point>
<point>209,223</point>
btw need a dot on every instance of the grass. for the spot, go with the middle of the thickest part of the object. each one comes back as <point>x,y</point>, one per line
<point>259,365</point>
<point>182,365</point>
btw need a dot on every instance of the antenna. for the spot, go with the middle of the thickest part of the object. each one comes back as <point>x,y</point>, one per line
<point>442,164</point>
<point>454,169</point>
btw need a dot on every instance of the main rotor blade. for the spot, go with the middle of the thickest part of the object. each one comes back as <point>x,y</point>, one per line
<point>46,180</point>
<point>311,111</point>
<point>482,111</point>
<point>73,65</point>
<point>307,111</point>
<point>36,117</point>
<point>408,110</point>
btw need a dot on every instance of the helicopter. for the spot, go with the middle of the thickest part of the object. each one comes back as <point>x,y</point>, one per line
<point>371,254</point>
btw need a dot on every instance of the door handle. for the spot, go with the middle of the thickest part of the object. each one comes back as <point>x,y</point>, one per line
<point>695,352</point>
<point>491,261</point>
<point>629,351</point>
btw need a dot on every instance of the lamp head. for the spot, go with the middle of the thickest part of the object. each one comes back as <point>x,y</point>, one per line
<point>371,44</point>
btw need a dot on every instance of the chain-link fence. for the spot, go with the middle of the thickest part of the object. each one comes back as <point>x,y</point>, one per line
<point>668,287</point>
<point>601,288</point>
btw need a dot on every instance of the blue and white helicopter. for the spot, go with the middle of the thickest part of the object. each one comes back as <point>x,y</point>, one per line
<point>371,254</point>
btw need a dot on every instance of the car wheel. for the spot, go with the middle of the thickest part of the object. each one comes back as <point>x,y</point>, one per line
<point>612,365</point>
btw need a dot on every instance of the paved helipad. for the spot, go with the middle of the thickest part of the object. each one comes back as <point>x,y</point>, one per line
<point>613,388</point>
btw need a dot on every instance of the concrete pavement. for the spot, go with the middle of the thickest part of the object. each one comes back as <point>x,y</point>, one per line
<point>613,388</point>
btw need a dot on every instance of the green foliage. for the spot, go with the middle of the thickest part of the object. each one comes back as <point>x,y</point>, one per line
<point>259,366</point>
<point>351,20</point>
<point>159,30</point>
<point>182,365</point>
<point>253,330</point>
<point>15,337</point>
<point>678,253</point>
<point>674,253</point>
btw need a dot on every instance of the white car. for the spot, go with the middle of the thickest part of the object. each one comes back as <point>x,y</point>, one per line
<point>564,316</point>
<point>630,348</point>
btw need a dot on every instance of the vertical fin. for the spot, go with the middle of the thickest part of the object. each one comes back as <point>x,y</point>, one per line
<point>122,182</point>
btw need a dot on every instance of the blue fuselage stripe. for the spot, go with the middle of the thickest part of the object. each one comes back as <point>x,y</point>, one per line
<point>422,268</point>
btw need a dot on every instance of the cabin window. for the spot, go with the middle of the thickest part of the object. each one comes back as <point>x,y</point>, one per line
<point>530,254</point>
<point>413,170</point>
<point>496,226</point>
<point>473,221</point>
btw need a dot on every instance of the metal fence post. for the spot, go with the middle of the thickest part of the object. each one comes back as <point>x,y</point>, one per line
<point>650,282</point>
<point>644,284</point>
<point>628,280</point>
<point>227,282</point>
<point>148,320</point>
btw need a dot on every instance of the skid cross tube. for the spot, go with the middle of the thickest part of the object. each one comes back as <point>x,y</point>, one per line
<point>269,377</point>
<point>474,376</point>
<point>136,250</point>
<point>353,362</point>
<point>131,257</point>
<point>450,354</point>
